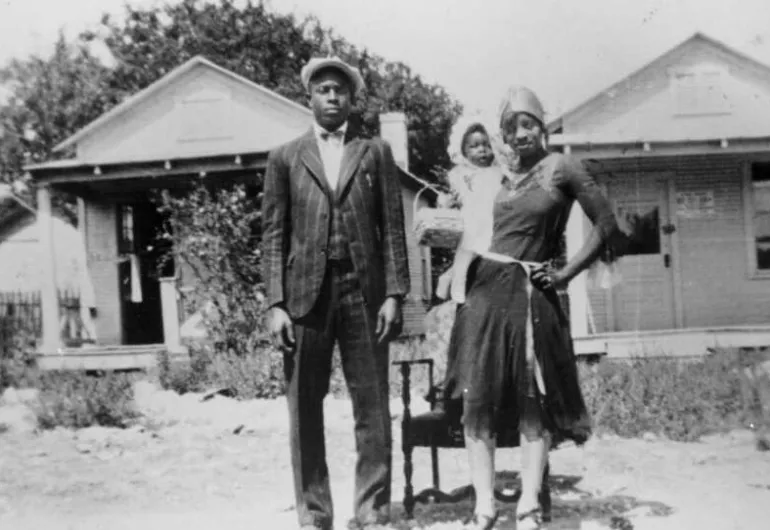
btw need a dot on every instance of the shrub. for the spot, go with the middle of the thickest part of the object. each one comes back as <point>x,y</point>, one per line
<point>681,400</point>
<point>215,234</point>
<point>16,355</point>
<point>77,400</point>
<point>251,375</point>
<point>66,399</point>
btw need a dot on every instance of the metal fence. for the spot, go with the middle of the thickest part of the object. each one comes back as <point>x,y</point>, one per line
<point>21,316</point>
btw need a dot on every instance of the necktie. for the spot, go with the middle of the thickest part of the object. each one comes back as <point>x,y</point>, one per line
<point>335,135</point>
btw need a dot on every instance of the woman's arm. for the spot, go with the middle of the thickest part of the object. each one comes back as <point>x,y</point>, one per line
<point>581,186</point>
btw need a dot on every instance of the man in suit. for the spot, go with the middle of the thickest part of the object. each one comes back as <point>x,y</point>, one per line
<point>335,267</point>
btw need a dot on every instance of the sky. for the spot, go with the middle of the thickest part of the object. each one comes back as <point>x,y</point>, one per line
<point>563,49</point>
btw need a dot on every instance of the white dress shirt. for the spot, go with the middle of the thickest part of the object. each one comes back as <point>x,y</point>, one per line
<point>331,146</point>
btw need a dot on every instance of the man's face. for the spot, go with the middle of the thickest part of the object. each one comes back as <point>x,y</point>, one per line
<point>330,98</point>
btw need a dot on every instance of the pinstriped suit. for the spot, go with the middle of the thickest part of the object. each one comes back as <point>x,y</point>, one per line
<point>296,220</point>
<point>329,305</point>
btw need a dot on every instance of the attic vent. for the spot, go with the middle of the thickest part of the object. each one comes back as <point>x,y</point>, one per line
<point>204,116</point>
<point>700,92</point>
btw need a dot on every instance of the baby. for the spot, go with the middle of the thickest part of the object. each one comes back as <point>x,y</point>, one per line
<point>474,181</point>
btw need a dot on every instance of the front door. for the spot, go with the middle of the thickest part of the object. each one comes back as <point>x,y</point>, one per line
<point>139,272</point>
<point>644,299</point>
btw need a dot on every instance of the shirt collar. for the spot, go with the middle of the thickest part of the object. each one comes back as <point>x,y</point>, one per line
<point>318,130</point>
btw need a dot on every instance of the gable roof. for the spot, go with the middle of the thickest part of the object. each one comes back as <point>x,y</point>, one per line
<point>148,92</point>
<point>694,40</point>
<point>12,207</point>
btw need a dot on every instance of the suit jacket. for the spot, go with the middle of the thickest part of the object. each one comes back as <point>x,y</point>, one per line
<point>296,219</point>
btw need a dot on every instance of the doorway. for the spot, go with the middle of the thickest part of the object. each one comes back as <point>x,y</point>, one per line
<point>144,260</point>
<point>645,298</point>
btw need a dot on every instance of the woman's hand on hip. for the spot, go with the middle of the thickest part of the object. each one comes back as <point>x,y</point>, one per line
<point>545,277</point>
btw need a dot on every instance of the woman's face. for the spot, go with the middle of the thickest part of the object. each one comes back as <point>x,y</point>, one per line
<point>523,133</point>
<point>478,149</point>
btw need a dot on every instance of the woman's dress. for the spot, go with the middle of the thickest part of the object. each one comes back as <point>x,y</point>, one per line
<point>488,368</point>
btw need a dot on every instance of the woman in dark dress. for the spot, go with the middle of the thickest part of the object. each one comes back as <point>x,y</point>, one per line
<point>512,362</point>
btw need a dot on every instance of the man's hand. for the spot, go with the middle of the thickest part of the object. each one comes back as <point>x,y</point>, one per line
<point>281,328</point>
<point>389,320</point>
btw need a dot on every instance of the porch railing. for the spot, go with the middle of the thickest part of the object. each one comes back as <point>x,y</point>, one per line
<point>21,318</point>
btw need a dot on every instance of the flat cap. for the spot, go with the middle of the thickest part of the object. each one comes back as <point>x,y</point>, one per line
<point>319,63</point>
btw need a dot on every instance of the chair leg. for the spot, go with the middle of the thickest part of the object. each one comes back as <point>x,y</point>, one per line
<point>406,440</point>
<point>545,493</point>
<point>434,466</point>
<point>408,488</point>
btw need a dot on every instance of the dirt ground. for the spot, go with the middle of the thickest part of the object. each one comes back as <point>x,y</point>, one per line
<point>225,464</point>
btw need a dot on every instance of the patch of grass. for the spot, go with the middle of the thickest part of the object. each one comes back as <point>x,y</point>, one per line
<point>680,400</point>
<point>253,375</point>
<point>77,400</point>
<point>260,374</point>
<point>669,397</point>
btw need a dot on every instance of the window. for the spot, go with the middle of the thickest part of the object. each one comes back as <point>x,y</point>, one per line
<point>700,91</point>
<point>425,270</point>
<point>640,225</point>
<point>759,189</point>
<point>126,229</point>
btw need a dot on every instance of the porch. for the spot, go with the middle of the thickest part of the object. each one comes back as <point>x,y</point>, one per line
<point>695,277</point>
<point>137,304</point>
<point>672,343</point>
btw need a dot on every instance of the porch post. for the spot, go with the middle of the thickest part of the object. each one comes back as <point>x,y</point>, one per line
<point>578,287</point>
<point>49,296</point>
<point>169,299</point>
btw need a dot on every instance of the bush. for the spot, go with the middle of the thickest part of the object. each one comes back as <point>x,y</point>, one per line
<point>681,400</point>
<point>215,234</point>
<point>250,375</point>
<point>260,374</point>
<point>16,355</point>
<point>76,400</point>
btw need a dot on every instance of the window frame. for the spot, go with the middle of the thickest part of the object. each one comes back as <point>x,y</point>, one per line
<point>124,245</point>
<point>753,270</point>
<point>426,273</point>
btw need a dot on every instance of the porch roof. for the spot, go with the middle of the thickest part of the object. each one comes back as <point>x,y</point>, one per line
<point>85,178</point>
<point>661,145</point>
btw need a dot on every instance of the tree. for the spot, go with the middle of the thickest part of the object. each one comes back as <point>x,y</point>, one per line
<point>49,100</point>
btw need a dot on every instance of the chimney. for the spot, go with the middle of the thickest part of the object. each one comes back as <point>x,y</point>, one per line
<point>393,131</point>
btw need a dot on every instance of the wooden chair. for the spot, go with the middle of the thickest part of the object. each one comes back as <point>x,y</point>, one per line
<point>438,429</point>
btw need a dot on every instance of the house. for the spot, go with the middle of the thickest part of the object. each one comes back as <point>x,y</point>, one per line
<point>22,269</point>
<point>682,148</point>
<point>20,252</point>
<point>199,120</point>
